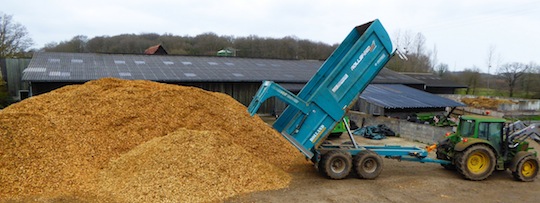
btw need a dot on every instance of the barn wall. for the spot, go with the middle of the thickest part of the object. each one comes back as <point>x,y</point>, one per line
<point>242,92</point>
<point>12,73</point>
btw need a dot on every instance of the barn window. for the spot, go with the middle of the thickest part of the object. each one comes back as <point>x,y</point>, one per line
<point>124,74</point>
<point>59,74</point>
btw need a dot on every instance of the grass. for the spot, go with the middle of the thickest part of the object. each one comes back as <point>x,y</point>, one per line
<point>494,93</point>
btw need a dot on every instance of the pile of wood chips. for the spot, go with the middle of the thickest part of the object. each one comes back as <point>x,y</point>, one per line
<point>76,142</point>
<point>485,102</point>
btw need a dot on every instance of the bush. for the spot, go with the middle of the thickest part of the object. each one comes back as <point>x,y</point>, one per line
<point>5,99</point>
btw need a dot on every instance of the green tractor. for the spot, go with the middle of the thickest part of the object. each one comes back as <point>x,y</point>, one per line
<point>483,144</point>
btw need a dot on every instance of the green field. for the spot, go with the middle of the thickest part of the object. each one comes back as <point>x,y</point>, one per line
<point>495,93</point>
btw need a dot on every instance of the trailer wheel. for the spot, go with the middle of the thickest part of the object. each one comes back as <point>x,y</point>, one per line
<point>527,168</point>
<point>368,165</point>
<point>335,164</point>
<point>476,162</point>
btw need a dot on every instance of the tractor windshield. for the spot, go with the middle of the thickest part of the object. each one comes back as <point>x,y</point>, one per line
<point>466,128</point>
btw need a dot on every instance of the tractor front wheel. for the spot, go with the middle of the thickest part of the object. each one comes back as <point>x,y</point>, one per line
<point>476,162</point>
<point>335,164</point>
<point>527,168</point>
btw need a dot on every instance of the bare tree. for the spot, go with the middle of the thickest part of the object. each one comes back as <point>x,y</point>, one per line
<point>511,72</point>
<point>441,69</point>
<point>14,39</point>
<point>413,46</point>
<point>471,76</point>
<point>489,61</point>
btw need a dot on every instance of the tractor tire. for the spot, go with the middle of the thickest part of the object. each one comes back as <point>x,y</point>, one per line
<point>335,164</point>
<point>368,165</point>
<point>476,162</point>
<point>442,149</point>
<point>527,168</point>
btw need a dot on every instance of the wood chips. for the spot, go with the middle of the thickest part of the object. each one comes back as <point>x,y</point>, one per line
<point>486,102</point>
<point>60,145</point>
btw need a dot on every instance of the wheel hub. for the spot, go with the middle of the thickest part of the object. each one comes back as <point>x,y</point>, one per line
<point>528,169</point>
<point>477,163</point>
<point>338,166</point>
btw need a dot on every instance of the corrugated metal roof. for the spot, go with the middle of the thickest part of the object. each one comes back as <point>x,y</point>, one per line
<point>82,67</point>
<point>76,67</point>
<point>401,96</point>
<point>432,80</point>
<point>387,76</point>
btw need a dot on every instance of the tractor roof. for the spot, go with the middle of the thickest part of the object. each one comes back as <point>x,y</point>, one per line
<point>483,118</point>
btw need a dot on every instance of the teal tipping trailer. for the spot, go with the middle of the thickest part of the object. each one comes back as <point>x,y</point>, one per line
<point>322,103</point>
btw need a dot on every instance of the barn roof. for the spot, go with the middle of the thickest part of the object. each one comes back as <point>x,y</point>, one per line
<point>432,80</point>
<point>401,96</point>
<point>82,67</point>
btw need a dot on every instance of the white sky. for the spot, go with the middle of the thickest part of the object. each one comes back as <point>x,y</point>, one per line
<point>462,30</point>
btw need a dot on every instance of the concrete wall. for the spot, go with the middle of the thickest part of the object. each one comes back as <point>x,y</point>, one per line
<point>412,131</point>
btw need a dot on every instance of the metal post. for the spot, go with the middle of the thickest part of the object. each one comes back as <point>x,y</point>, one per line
<point>350,133</point>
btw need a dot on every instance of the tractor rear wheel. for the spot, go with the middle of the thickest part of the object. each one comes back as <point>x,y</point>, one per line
<point>367,164</point>
<point>335,164</point>
<point>476,162</point>
<point>527,168</point>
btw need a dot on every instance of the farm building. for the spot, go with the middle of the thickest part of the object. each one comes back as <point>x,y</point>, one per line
<point>435,84</point>
<point>237,77</point>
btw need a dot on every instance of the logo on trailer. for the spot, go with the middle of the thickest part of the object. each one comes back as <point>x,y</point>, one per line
<point>317,133</point>
<point>368,49</point>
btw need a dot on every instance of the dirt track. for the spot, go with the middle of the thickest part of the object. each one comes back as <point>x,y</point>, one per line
<point>401,182</point>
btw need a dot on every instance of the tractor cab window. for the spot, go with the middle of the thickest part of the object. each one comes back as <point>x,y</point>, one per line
<point>491,132</point>
<point>466,128</point>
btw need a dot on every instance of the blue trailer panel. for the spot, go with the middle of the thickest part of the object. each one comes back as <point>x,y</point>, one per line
<point>324,100</point>
<point>338,83</point>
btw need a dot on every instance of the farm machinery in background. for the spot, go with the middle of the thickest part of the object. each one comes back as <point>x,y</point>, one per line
<point>483,144</point>
<point>312,114</point>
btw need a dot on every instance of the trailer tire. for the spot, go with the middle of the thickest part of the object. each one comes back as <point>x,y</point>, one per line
<point>477,162</point>
<point>368,165</point>
<point>335,164</point>
<point>527,168</point>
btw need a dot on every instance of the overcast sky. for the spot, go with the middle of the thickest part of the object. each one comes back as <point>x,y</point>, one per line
<point>461,30</point>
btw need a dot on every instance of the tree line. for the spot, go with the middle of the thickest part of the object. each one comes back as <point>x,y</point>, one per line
<point>206,44</point>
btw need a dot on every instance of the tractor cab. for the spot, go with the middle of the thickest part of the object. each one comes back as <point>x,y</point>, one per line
<point>473,129</point>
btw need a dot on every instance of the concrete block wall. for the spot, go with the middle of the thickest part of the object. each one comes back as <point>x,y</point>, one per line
<point>412,131</point>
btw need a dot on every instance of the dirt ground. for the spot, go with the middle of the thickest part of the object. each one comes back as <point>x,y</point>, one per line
<point>400,182</point>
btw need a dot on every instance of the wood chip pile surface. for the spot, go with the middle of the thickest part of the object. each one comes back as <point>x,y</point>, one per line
<point>61,143</point>
<point>486,102</point>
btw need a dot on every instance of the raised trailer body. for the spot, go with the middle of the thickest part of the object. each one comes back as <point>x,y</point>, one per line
<point>322,103</point>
